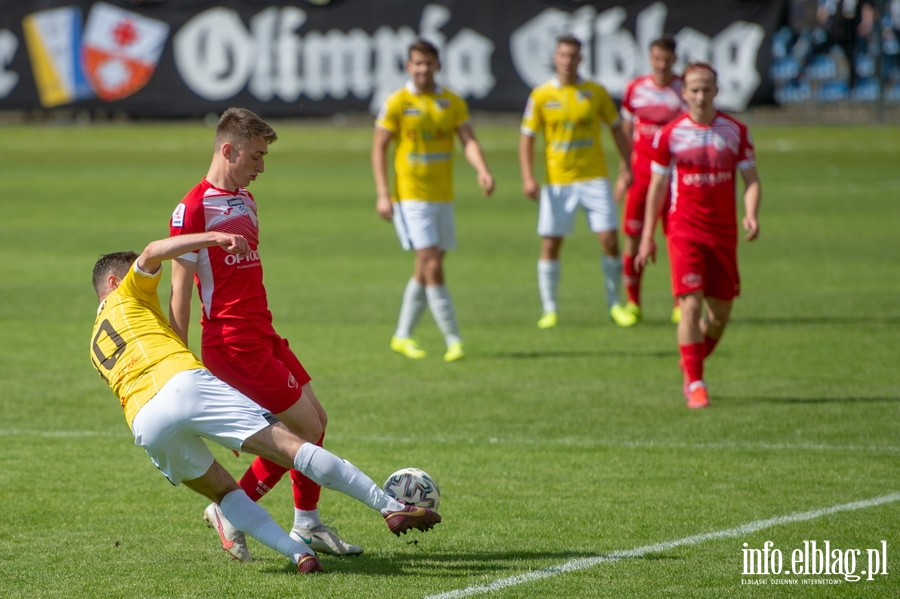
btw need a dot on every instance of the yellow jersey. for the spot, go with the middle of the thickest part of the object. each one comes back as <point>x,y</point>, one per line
<point>570,118</point>
<point>424,125</point>
<point>132,345</point>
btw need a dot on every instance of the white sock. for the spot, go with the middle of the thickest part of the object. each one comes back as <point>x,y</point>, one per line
<point>306,518</point>
<point>250,518</point>
<point>332,472</point>
<point>441,307</point>
<point>548,283</point>
<point>612,272</point>
<point>411,309</point>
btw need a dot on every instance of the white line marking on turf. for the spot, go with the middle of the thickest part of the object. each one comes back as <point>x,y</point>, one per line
<point>744,529</point>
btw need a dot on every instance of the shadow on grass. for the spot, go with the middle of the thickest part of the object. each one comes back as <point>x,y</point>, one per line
<point>808,400</point>
<point>536,355</point>
<point>816,320</point>
<point>457,564</point>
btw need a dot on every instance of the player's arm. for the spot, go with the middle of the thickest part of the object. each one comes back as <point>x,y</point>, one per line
<point>623,144</point>
<point>180,300</point>
<point>621,184</point>
<point>752,199</point>
<point>380,142</point>
<point>473,153</point>
<point>656,196</point>
<point>171,247</point>
<point>530,185</point>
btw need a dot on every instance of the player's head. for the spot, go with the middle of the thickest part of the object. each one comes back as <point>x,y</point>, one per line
<point>567,57</point>
<point>242,141</point>
<point>699,88</point>
<point>239,126</point>
<point>662,58</point>
<point>111,265</point>
<point>422,64</point>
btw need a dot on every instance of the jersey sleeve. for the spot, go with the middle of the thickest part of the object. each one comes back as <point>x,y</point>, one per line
<point>188,217</point>
<point>661,163</point>
<point>140,285</point>
<point>461,111</point>
<point>607,108</point>
<point>389,116</point>
<point>531,119</point>
<point>746,153</point>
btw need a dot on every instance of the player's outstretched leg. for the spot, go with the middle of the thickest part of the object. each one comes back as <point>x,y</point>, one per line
<point>334,473</point>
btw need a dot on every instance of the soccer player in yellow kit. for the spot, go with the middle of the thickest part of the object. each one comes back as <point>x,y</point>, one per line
<point>569,111</point>
<point>171,403</point>
<point>424,118</point>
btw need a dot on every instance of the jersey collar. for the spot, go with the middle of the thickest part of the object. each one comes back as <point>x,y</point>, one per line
<point>558,84</point>
<point>411,88</point>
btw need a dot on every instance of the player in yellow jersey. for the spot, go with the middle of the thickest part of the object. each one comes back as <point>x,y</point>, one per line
<point>172,403</point>
<point>569,112</point>
<point>424,118</point>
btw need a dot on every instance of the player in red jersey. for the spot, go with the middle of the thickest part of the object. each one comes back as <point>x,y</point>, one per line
<point>700,153</point>
<point>649,102</point>
<point>239,344</point>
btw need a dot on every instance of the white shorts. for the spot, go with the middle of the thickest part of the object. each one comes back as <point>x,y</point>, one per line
<point>422,225</point>
<point>559,204</point>
<point>195,404</point>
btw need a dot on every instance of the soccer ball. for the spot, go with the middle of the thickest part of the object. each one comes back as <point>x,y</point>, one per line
<point>413,487</point>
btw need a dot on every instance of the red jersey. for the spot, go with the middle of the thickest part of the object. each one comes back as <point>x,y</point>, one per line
<point>702,161</point>
<point>649,107</point>
<point>231,288</point>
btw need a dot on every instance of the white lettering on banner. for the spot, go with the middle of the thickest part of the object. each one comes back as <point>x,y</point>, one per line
<point>214,53</point>
<point>217,57</point>
<point>9,43</point>
<point>613,56</point>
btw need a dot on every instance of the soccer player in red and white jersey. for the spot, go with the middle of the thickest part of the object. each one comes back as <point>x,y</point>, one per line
<point>649,102</point>
<point>699,153</point>
<point>239,344</point>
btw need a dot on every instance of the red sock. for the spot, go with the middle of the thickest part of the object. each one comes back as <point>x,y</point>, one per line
<point>306,492</point>
<point>710,344</point>
<point>259,479</point>
<point>692,355</point>
<point>632,279</point>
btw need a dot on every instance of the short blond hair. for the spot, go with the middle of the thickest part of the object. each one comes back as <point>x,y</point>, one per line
<point>239,126</point>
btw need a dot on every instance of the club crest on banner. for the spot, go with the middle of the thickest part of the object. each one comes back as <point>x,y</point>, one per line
<point>121,50</point>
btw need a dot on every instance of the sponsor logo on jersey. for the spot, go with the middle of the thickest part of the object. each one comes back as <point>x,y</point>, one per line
<point>411,112</point>
<point>584,94</point>
<point>443,103</point>
<point>552,104</point>
<point>235,202</point>
<point>233,259</point>
<point>178,216</point>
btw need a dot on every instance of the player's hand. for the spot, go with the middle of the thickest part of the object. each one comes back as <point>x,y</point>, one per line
<point>623,182</point>
<point>751,226</point>
<point>646,254</point>
<point>385,207</point>
<point>233,244</point>
<point>486,183</point>
<point>530,188</point>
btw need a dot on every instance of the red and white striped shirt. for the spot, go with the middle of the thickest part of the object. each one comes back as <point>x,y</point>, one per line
<point>649,107</point>
<point>231,287</point>
<point>703,160</point>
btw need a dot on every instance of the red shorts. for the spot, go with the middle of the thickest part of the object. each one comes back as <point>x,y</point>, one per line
<point>711,269</point>
<point>265,370</point>
<point>636,206</point>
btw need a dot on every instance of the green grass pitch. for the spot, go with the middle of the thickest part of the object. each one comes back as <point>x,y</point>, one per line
<point>549,446</point>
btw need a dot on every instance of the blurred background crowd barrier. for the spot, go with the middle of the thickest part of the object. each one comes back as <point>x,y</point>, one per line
<point>183,58</point>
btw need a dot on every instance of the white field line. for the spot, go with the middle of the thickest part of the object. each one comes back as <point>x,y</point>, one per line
<point>744,529</point>
<point>563,442</point>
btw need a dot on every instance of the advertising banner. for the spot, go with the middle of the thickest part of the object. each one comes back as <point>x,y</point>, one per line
<point>300,57</point>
